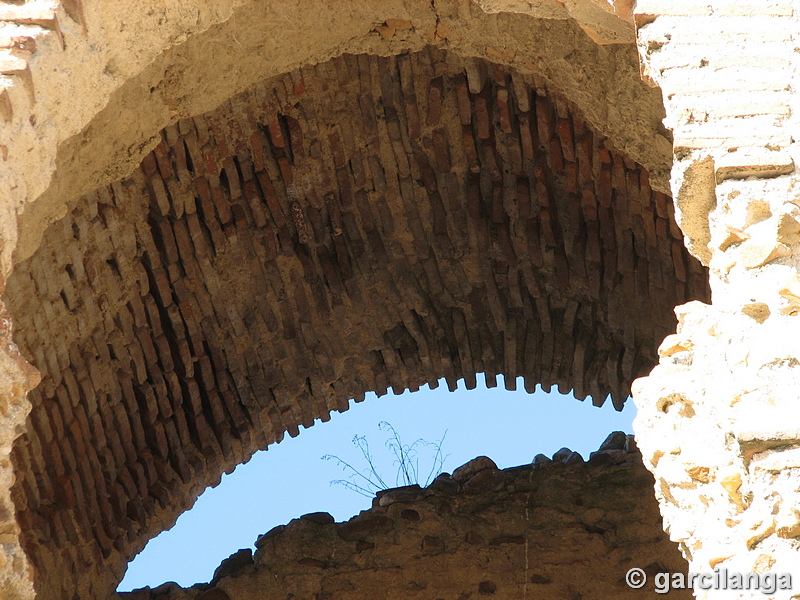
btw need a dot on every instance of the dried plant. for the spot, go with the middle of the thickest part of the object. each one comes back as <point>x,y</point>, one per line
<point>406,460</point>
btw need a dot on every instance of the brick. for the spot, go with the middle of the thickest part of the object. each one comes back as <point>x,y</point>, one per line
<point>564,128</point>
<point>740,79</point>
<point>469,149</point>
<point>691,107</point>
<point>753,162</point>
<point>521,92</point>
<point>159,194</point>
<point>12,65</point>
<point>464,105</point>
<point>483,121</point>
<point>195,161</point>
<point>442,150</point>
<point>221,204</point>
<point>503,112</point>
<point>719,138</point>
<point>163,161</point>
<point>476,75</point>
<point>29,15</point>
<point>753,9</point>
<point>556,156</point>
<point>526,138</point>
<point>434,103</point>
<point>676,8</point>
<point>544,120</point>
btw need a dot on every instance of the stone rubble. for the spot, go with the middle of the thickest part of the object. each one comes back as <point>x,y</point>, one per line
<point>551,530</point>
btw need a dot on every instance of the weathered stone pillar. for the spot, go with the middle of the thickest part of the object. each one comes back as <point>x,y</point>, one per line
<point>719,417</point>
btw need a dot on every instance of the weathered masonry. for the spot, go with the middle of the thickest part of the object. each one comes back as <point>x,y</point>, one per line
<point>543,530</point>
<point>221,223</point>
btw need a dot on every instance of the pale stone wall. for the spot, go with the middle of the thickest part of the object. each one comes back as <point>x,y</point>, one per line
<point>719,421</point>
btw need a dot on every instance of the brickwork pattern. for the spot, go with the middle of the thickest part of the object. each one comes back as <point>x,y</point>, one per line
<point>365,224</point>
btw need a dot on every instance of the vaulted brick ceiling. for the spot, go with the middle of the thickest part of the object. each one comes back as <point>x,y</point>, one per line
<point>364,224</point>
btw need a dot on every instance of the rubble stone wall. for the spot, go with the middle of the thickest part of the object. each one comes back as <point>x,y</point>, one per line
<point>718,419</point>
<point>540,531</point>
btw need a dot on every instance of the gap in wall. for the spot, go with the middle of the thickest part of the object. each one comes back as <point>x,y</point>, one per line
<point>291,478</point>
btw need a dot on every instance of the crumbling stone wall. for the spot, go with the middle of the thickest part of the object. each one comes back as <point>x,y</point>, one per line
<point>553,529</point>
<point>358,225</point>
<point>725,392</point>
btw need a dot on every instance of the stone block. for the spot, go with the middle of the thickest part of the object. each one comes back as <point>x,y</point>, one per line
<point>472,468</point>
<point>753,162</point>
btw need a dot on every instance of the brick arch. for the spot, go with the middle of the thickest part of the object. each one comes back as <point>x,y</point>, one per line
<point>363,224</point>
<point>100,106</point>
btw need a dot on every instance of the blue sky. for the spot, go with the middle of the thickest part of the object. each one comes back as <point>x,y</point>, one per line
<point>291,479</point>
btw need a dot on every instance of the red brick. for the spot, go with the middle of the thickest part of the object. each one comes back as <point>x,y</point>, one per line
<point>464,105</point>
<point>503,113</point>
<point>483,121</point>
<point>544,121</point>
<point>162,158</point>
<point>567,141</point>
<point>434,102</point>
<point>469,149</point>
